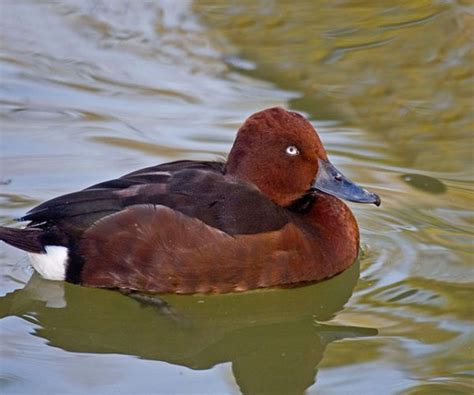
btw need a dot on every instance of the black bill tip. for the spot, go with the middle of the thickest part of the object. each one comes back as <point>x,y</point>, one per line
<point>377,200</point>
<point>332,181</point>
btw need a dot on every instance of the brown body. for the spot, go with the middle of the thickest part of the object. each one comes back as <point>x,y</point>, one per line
<point>156,242</point>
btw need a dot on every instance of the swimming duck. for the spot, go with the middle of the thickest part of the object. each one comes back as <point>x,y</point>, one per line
<point>269,216</point>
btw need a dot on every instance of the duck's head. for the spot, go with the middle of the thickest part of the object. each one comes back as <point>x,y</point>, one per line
<point>280,152</point>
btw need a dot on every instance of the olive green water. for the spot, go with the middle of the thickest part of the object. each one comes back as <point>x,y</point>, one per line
<point>94,89</point>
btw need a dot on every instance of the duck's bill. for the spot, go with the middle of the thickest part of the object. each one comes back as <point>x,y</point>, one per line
<point>332,181</point>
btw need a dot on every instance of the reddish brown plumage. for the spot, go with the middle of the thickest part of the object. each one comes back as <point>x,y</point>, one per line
<point>156,249</point>
<point>262,139</point>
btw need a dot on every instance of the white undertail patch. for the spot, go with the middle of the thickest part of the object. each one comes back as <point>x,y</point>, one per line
<point>51,264</point>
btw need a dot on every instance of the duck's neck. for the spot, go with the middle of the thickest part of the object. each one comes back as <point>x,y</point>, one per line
<point>334,224</point>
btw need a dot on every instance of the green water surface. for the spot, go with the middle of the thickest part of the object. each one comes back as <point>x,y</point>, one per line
<point>91,90</point>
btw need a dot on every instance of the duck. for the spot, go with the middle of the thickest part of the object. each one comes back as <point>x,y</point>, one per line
<point>271,215</point>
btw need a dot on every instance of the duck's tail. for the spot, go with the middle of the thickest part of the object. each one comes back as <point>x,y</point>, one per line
<point>28,239</point>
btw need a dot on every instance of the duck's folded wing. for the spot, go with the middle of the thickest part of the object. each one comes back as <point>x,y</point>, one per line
<point>197,189</point>
<point>84,207</point>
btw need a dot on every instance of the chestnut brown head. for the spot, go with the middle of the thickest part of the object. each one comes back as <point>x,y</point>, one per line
<point>280,152</point>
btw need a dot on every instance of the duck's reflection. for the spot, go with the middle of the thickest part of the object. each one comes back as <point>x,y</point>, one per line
<point>271,337</point>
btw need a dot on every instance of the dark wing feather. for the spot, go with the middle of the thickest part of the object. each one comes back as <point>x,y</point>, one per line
<point>197,189</point>
<point>173,167</point>
<point>72,204</point>
<point>111,196</point>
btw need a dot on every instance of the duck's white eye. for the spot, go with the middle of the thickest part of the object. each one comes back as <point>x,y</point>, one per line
<point>292,150</point>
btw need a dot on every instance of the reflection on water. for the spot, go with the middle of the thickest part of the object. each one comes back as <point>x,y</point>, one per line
<point>263,334</point>
<point>93,89</point>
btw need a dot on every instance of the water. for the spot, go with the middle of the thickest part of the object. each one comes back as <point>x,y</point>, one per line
<point>93,89</point>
